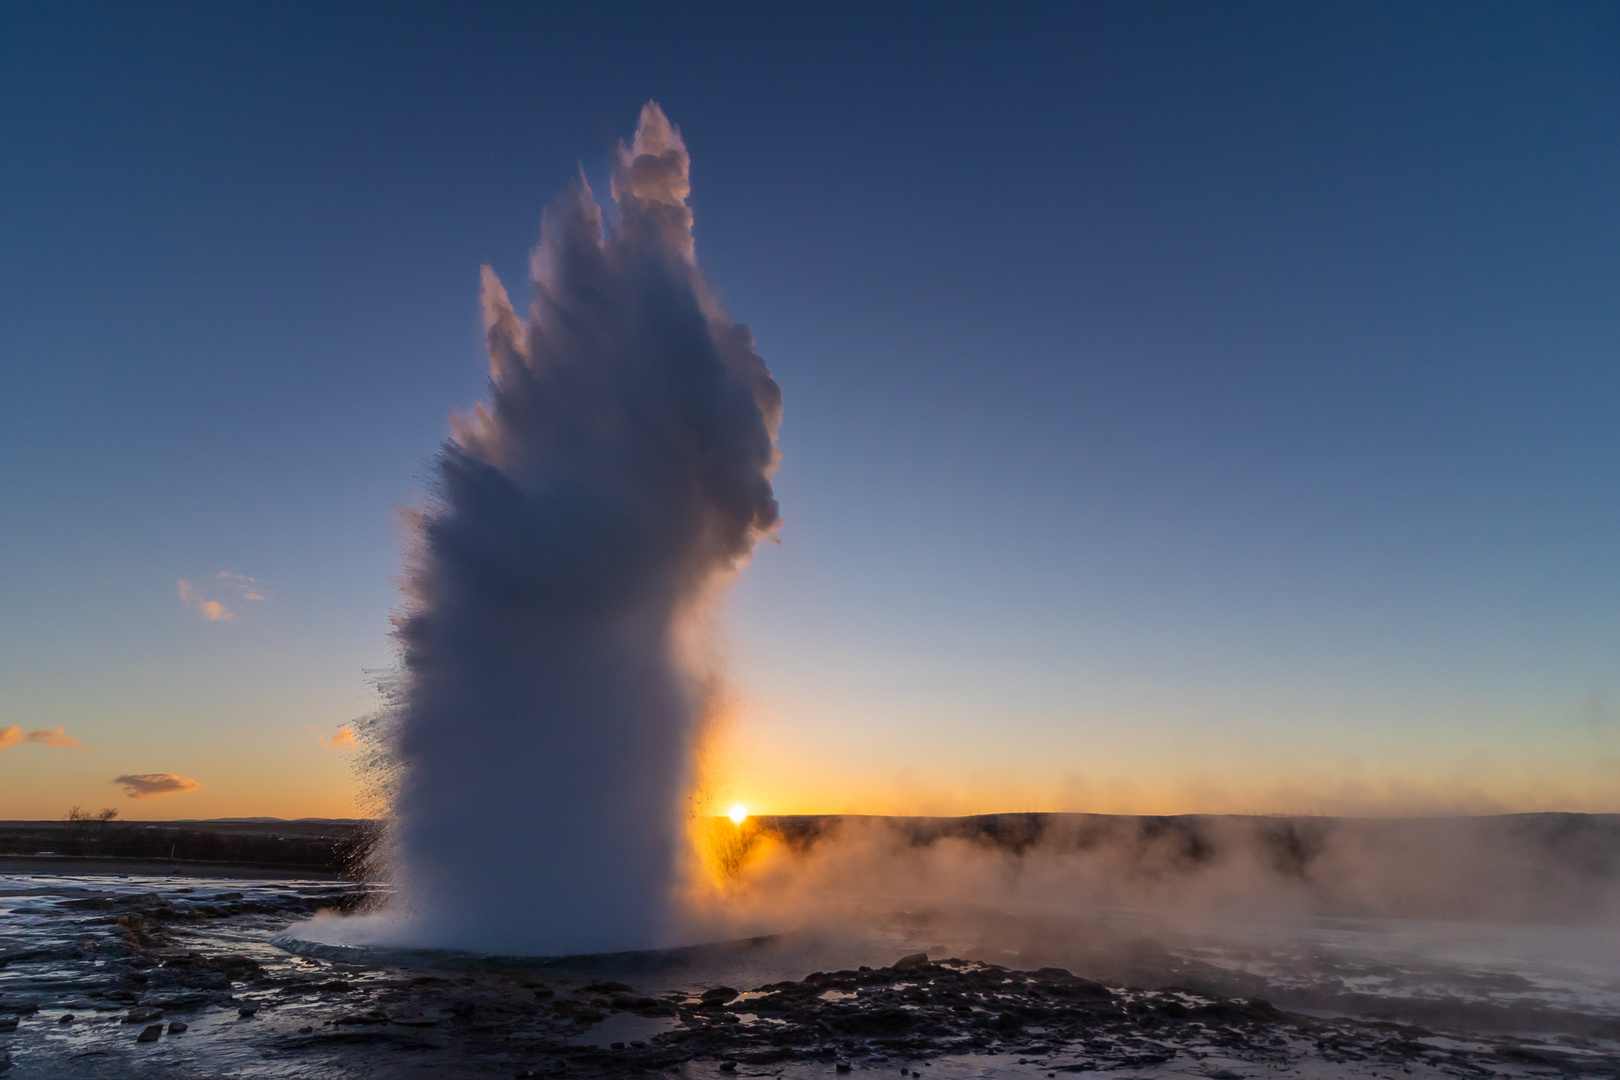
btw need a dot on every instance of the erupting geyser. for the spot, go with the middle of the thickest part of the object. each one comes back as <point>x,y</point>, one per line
<point>618,473</point>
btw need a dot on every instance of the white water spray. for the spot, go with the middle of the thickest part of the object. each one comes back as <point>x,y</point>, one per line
<point>619,471</point>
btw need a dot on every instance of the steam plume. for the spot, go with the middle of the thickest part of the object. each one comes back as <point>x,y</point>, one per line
<point>620,470</point>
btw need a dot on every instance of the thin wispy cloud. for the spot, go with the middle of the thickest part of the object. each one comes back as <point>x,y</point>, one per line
<point>247,587</point>
<point>341,739</point>
<point>239,588</point>
<point>16,736</point>
<point>146,785</point>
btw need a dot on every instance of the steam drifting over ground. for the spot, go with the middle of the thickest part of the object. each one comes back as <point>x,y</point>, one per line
<point>618,474</point>
<point>1190,871</point>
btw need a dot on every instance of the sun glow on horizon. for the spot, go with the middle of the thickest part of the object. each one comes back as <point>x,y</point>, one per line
<point>738,813</point>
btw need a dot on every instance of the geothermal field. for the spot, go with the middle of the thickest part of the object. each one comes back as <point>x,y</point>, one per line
<point>544,874</point>
<point>1008,946</point>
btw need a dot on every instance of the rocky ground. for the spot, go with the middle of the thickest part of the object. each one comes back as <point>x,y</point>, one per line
<point>180,982</point>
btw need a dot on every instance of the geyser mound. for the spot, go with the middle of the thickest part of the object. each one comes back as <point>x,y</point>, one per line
<point>618,473</point>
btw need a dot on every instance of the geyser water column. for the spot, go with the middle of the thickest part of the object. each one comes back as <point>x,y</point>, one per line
<point>619,472</point>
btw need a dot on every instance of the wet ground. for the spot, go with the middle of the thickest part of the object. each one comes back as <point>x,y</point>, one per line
<point>128,975</point>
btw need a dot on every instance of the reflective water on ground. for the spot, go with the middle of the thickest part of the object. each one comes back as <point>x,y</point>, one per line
<point>90,964</point>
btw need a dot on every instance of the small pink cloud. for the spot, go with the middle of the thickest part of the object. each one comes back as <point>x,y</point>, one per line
<point>195,597</point>
<point>13,736</point>
<point>192,595</point>
<point>342,739</point>
<point>146,785</point>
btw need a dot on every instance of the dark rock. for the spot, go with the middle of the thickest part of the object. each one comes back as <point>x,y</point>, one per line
<point>151,1034</point>
<point>247,1010</point>
<point>142,1015</point>
<point>177,1027</point>
<point>606,988</point>
<point>371,1017</point>
<point>236,967</point>
<point>185,1001</point>
<point>67,1018</point>
<point>911,962</point>
<point>719,995</point>
<point>631,1002</point>
<point>880,1021</point>
<point>728,1066</point>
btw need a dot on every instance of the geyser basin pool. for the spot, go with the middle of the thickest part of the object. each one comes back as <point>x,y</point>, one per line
<point>335,939</point>
<point>617,476</point>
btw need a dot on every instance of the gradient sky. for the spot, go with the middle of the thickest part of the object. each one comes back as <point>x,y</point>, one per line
<point>1188,406</point>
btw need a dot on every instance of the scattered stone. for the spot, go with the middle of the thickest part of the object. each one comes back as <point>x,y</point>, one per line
<point>372,1016</point>
<point>606,988</point>
<point>151,1034</point>
<point>639,1004</point>
<point>911,962</point>
<point>177,1027</point>
<point>67,1018</point>
<point>728,1066</point>
<point>718,996</point>
<point>142,1015</point>
<point>246,1011</point>
<point>235,967</point>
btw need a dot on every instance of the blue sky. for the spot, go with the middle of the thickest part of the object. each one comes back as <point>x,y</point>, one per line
<point>1187,406</point>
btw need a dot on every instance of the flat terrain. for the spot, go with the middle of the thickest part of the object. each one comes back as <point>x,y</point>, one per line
<point>181,979</point>
<point>146,846</point>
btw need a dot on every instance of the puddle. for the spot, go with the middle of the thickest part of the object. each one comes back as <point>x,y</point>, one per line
<point>624,1028</point>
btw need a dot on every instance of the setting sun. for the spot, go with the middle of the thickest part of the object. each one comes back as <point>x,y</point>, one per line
<point>738,813</point>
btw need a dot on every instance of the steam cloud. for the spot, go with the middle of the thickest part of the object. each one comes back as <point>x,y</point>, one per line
<point>146,785</point>
<point>1558,868</point>
<point>13,736</point>
<point>618,474</point>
